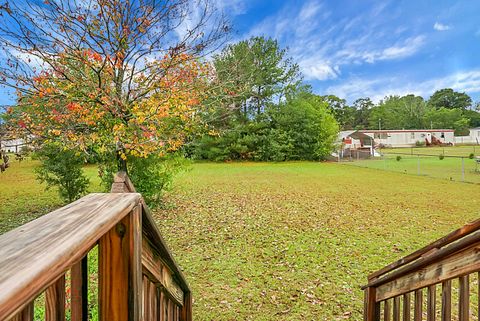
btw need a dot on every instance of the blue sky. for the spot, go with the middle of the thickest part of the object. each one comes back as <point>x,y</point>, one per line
<point>366,48</point>
<point>355,49</point>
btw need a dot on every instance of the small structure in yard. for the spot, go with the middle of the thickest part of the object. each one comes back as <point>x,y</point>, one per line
<point>13,145</point>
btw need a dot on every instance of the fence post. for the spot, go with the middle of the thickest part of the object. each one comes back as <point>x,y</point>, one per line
<point>418,164</point>
<point>463,169</point>
<point>371,307</point>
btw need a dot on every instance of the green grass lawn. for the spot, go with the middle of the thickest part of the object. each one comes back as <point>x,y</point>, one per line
<point>462,150</point>
<point>295,241</point>
<point>286,241</point>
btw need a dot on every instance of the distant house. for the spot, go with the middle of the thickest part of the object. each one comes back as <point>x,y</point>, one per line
<point>394,137</point>
<point>472,138</point>
<point>12,145</point>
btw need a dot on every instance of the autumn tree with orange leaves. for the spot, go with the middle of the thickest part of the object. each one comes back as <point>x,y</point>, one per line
<point>121,78</point>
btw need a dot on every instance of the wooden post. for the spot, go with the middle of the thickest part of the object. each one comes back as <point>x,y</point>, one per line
<point>120,272</point>
<point>55,301</point>
<point>371,308</point>
<point>79,290</point>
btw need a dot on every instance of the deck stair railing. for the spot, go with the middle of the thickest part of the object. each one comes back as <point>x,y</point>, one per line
<point>433,283</point>
<point>138,278</point>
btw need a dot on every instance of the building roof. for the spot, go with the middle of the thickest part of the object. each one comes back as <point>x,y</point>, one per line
<point>406,130</point>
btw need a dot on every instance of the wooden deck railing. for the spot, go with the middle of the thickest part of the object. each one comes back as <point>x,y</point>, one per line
<point>138,278</point>
<point>433,282</point>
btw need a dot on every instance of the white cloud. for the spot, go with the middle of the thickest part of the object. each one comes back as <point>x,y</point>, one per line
<point>377,89</point>
<point>322,47</point>
<point>441,27</point>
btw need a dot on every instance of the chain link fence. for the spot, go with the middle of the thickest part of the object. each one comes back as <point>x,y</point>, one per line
<point>443,165</point>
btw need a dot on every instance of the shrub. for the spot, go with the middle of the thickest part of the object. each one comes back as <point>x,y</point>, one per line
<point>419,143</point>
<point>151,176</point>
<point>441,157</point>
<point>399,158</point>
<point>62,169</point>
<point>471,156</point>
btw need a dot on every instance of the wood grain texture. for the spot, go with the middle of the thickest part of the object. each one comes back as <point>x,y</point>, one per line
<point>25,315</point>
<point>154,266</point>
<point>55,301</point>
<point>460,263</point>
<point>433,257</point>
<point>387,312</point>
<point>453,236</point>
<point>431,303</point>
<point>372,308</point>
<point>79,291</point>
<point>396,308</point>
<point>32,257</point>
<point>118,294</point>
<point>406,307</point>
<point>186,311</point>
<point>463,298</point>
<point>418,306</point>
<point>447,301</point>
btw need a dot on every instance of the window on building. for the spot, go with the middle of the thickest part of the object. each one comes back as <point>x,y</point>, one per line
<point>442,135</point>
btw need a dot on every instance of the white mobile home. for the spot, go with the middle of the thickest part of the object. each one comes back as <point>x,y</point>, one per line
<point>472,138</point>
<point>12,145</point>
<point>410,137</point>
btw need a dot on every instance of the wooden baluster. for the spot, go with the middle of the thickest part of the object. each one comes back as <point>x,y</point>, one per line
<point>447,301</point>
<point>120,273</point>
<point>162,306</point>
<point>386,311</point>
<point>186,310</point>
<point>153,302</point>
<point>25,315</point>
<point>371,310</point>
<point>406,307</point>
<point>417,314</point>
<point>464,299</point>
<point>396,308</point>
<point>146,300</point>
<point>79,290</point>
<point>431,300</point>
<point>55,301</point>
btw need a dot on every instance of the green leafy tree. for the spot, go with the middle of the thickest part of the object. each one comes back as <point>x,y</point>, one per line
<point>450,99</point>
<point>254,73</point>
<point>447,118</point>
<point>363,107</point>
<point>62,168</point>
<point>344,114</point>
<point>396,112</point>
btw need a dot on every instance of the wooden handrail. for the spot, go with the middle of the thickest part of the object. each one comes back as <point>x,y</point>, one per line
<point>36,254</point>
<point>138,278</point>
<point>455,255</point>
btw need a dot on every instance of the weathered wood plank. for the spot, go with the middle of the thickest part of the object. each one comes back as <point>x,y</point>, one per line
<point>120,280</point>
<point>79,291</point>
<point>406,307</point>
<point>154,266</point>
<point>386,311</point>
<point>31,257</point>
<point>417,312</point>
<point>453,236</point>
<point>25,315</point>
<point>434,257</point>
<point>396,308</point>
<point>464,298</point>
<point>146,299</point>
<point>447,301</point>
<point>431,302</point>
<point>186,310</point>
<point>460,263</point>
<point>55,301</point>
<point>153,302</point>
<point>371,308</point>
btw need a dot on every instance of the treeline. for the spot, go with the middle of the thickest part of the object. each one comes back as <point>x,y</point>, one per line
<point>445,109</point>
<point>263,111</point>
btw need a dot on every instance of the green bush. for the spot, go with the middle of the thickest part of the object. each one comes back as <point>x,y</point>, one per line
<point>62,169</point>
<point>441,157</point>
<point>471,156</point>
<point>419,143</point>
<point>399,158</point>
<point>151,176</point>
